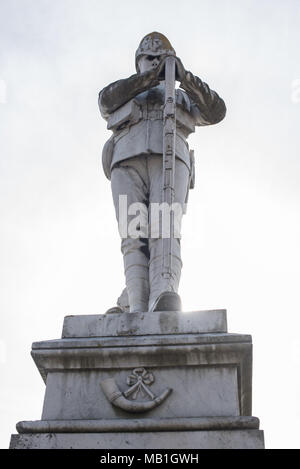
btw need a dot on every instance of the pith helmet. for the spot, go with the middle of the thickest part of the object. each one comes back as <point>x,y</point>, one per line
<point>153,44</point>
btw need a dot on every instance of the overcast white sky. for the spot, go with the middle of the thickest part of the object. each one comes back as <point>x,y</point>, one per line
<point>59,245</point>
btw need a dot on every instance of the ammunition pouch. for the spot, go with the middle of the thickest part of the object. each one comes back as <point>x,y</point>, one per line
<point>107,155</point>
<point>125,116</point>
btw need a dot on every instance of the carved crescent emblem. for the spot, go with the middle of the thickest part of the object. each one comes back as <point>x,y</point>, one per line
<point>138,380</point>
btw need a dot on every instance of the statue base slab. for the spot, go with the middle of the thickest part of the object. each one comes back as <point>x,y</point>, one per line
<point>222,439</point>
<point>154,380</point>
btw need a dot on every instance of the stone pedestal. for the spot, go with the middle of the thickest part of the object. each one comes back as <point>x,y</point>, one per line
<point>155,380</point>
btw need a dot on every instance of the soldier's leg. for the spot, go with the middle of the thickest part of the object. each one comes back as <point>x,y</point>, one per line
<point>122,305</point>
<point>158,284</point>
<point>130,178</point>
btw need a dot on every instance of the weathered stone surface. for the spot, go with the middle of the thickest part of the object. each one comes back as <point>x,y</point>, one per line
<point>133,324</point>
<point>197,391</point>
<point>210,374</point>
<point>127,341</point>
<point>106,392</point>
<point>227,439</point>
<point>142,424</point>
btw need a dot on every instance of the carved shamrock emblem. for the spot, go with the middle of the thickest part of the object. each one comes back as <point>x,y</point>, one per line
<point>139,380</point>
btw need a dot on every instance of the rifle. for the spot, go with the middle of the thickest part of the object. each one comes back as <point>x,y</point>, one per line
<point>169,135</point>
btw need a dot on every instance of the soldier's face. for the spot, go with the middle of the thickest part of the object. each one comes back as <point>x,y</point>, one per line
<point>148,62</point>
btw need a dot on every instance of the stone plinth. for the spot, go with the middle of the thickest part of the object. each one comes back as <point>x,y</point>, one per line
<point>152,380</point>
<point>133,324</point>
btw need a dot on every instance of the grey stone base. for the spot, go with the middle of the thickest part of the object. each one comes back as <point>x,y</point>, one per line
<point>139,324</point>
<point>138,425</point>
<point>161,380</point>
<point>226,439</point>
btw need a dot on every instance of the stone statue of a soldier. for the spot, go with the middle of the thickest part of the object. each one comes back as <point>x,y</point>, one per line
<point>133,161</point>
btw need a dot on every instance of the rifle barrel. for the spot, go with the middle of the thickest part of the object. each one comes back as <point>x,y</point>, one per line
<point>169,134</point>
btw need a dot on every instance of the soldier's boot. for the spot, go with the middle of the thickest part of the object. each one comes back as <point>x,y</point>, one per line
<point>114,310</point>
<point>168,301</point>
<point>122,304</point>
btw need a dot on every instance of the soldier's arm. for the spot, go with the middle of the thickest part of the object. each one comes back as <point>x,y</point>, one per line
<point>207,106</point>
<point>120,92</point>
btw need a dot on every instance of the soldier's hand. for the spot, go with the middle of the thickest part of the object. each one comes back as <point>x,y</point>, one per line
<point>149,77</point>
<point>153,76</point>
<point>180,70</point>
<point>160,69</point>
